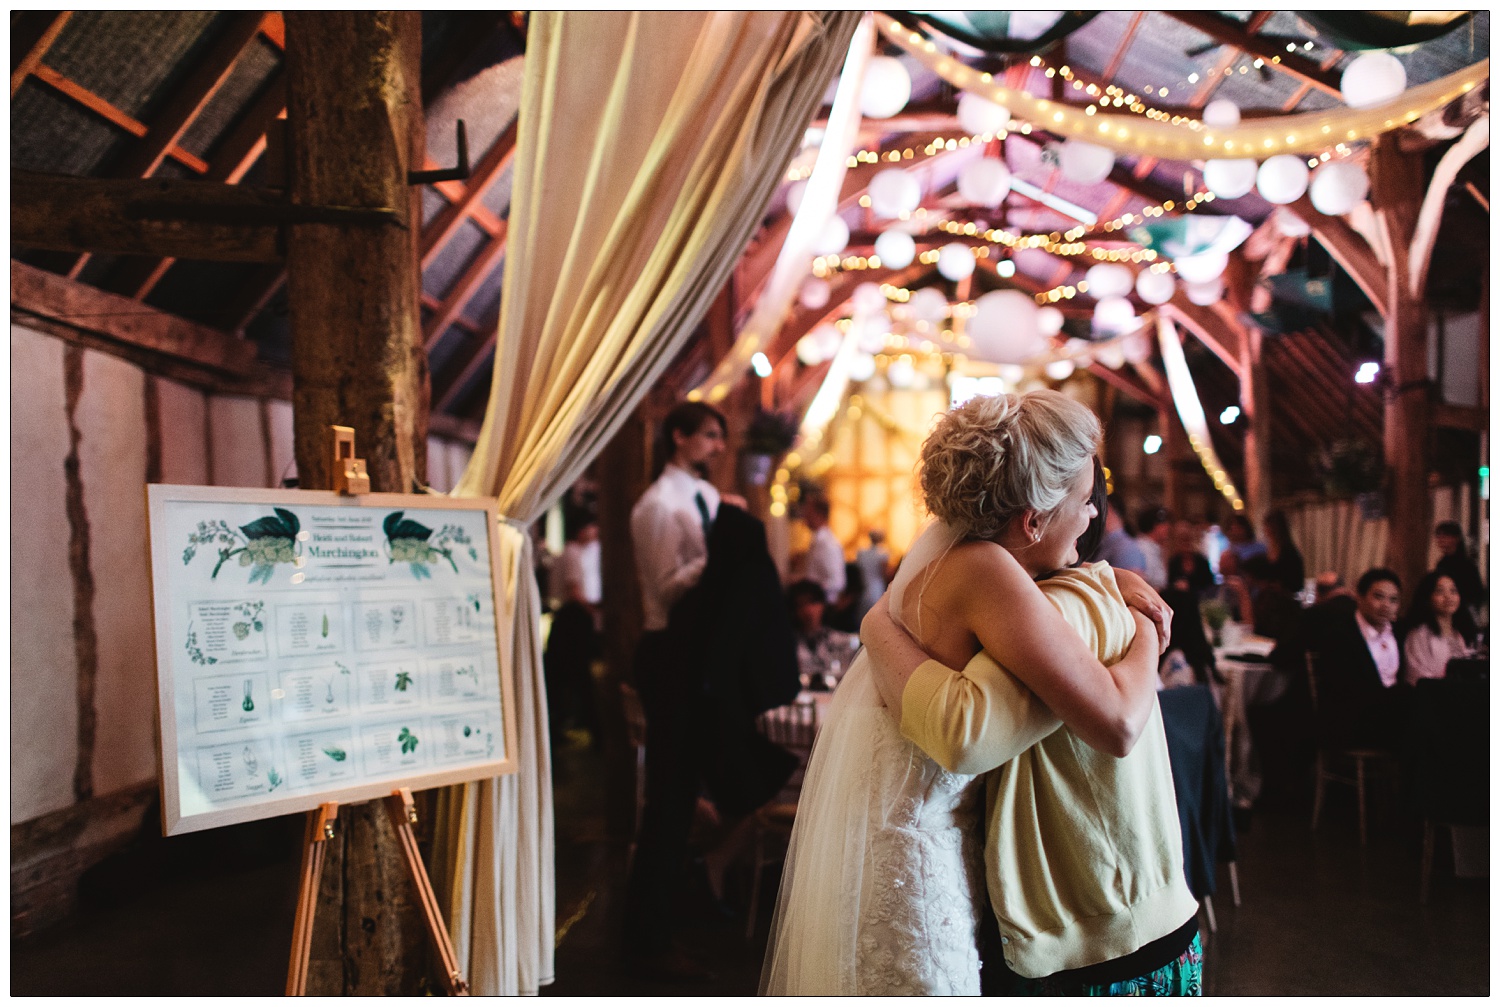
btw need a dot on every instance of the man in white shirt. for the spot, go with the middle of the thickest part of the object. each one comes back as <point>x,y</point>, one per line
<point>1359,663</point>
<point>1377,604</point>
<point>669,527</point>
<point>825,557</point>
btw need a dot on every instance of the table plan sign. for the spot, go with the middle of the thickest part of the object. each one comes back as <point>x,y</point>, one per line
<point>313,647</point>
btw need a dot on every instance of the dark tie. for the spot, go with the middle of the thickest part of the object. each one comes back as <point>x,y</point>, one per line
<point>703,513</point>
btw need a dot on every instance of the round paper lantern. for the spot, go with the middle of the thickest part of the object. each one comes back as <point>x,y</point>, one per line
<point>1204,294</point>
<point>887,88</point>
<point>977,114</point>
<point>955,262</point>
<point>1230,179</point>
<point>1221,113</point>
<point>814,293</point>
<point>1112,356</point>
<point>928,305</point>
<point>984,182</point>
<point>1113,314</point>
<point>1085,163</point>
<point>1049,320</point>
<point>1059,370</point>
<point>1004,327</point>
<point>896,249</point>
<point>808,351</point>
<point>1371,79</point>
<point>867,299</point>
<point>1108,279</point>
<point>1203,267</point>
<point>1338,187</point>
<point>1282,179</point>
<point>794,194</point>
<point>834,237</point>
<point>1137,348</point>
<point>1290,225</point>
<point>861,367</point>
<point>902,373</point>
<point>893,192</point>
<point>871,332</point>
<point>1155,288</point>
<point>829,339</point>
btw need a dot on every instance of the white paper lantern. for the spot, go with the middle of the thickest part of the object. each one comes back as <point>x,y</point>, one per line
<point>829,340</point>
<point>1004,327</point>
<point>1221,113</point>
<point>1371,79</point>
<point>1155,288</point>
<point>896,249</point>
<point>1108,279</point>
<point>1290,225</point>
<point>1112,356</point>
<point>1202,268</point>
<point>861,367</point>
<point>984,182</point>
<point>928,305</point>
<point>814,293</point>
<point>867,299</point>
<point>1086,163</point>
<point>955,262</point>
<point>871,332</point>
<point>1059,370</point>
<point>1137,348</point>
<point>834,237</point>
<point>1049,320</point>
<point>1204,294</point>
<point>893,192</point>
<point>1230,179</point>
<point>887,88</point>
<point>1338,187</point>
<point>794,194</point>
<point>978,115</point>
<point>902,373</point>
<point>1282,179</point>
<point>808,350</point>
<point>1114,314</point>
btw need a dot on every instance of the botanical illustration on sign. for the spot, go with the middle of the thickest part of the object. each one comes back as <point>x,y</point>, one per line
<point>412,542</point>
<point>250,613</point>
<point>336,754</point>
<point>273,778</point>
<point>195,653</point>
<point>403,681</point>
<point>408,741</point>
<point>261,544</point>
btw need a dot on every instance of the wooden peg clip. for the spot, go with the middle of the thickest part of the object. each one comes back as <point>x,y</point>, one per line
<point>349,475</point>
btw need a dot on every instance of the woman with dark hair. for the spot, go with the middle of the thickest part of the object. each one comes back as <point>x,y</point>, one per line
<point>1441,628</point>
<point>1287,568</point>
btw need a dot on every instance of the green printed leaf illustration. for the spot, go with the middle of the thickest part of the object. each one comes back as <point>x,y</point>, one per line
<point>343,669</point>
<point>336,754</point>
<point>325,625</point>
<point>283,525</point>
<point>241,630</point>
<point>396,527</point>
<point>408,741</point>
<point>403,681</point>
<point>273,778</point>
<point>468,731</point>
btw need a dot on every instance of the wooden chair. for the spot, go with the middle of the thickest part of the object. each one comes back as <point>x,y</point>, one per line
<point>794,727</point>
<point>1330,756</point>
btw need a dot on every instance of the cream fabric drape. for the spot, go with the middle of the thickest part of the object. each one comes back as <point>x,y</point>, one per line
<point>649,146</point>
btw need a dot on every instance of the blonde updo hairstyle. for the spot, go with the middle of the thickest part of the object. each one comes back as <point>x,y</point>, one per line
<point>994,457</point>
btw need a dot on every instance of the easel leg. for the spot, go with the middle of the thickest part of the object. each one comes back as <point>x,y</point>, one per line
<point>319,831</point>
<point>403,813</point>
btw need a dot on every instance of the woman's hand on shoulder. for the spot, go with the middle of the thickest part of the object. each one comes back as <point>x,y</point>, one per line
<point>1142,598</point>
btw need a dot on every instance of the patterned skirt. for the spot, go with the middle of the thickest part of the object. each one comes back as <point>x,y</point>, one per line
<point>1182,977</point>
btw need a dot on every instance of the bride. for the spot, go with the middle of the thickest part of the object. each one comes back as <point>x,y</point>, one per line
<point>886,870</point>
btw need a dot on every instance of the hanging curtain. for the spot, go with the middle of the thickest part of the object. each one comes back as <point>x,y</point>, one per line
<point>650,144</point>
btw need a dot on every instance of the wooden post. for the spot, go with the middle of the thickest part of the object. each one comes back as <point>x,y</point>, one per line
<point>354,129</point>
<point>1255,403</point>
<point>1396,195</point>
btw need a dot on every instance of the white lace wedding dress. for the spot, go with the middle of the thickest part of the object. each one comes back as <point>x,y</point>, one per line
<point>885,871</point>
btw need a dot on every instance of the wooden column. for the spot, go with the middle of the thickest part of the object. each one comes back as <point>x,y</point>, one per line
<point>1396,186</point>
<point>1255,404</point>
<point>1179,460</point>
<point>354,128</point>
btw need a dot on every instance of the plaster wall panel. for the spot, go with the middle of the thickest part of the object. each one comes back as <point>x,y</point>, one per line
<point>239,445</point>
<point>283,448</point>
<point>183,414</point>
<point>43,657</point>
<point>437,465</point>
<point>111,419</point>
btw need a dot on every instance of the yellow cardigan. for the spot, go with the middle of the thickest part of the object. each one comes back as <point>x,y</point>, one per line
<point>1083,851</point>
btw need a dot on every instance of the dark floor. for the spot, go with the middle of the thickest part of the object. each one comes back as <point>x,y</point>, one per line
<point>1320,915</point>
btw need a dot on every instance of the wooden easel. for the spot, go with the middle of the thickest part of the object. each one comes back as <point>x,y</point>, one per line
<point>320,823</point>
<point>349,476</point>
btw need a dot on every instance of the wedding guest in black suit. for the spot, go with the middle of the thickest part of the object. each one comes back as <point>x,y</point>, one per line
<point>1359,691</point>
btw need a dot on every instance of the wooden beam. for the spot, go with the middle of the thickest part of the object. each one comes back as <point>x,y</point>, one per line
<point>161,217</point>
<point>31,36</point>
<point>1209,329</point>
<point>463,290</point>
<point>121,320</point>
<point>1124,45</point>
<point>105,110</point>
<point>1128,384</point>
<point>470,360</point>
<point>436,234</point>
<point>1349,250</point>
<point>1226,31</point>
<point>1472,418</point>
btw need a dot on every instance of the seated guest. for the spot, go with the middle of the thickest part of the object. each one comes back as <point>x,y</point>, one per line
<point>1188,570</point>
<point>1359,662</point>
<point>1274,611</point>
<point>1241,535</point>
<point>1441,628</point>
<point>1456,563</point>
<point>1328,585</point>
<point>1155,524</point>
<point>820,651</point>
<point>1119,548</point>
<point>1287,568</point>
<point>842,612</point>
